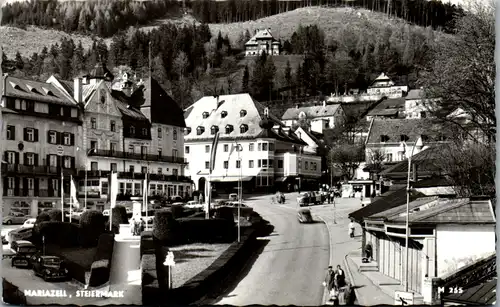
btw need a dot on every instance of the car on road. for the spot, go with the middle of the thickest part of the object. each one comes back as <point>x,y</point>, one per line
<point>24,251</point>
<point>15,218</point>
<point>19,234</point>
<point>309,198</point>
<point>49,267</point>
<point>304,216</point>
<point>29,223</point>
<point>193,205</point>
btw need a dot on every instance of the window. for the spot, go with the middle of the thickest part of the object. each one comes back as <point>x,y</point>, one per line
<point>223,114</point>
<point>52,137</point>
<point>243,128</point>
<point>264,146</point>
<point>175,172</point>
<point>259,146</point>
<point>55,184</point>
<point>207,148</point>
<point>137,189</point>
<point>144,131</point>
<point>239,147</point>
<point>112,147</point>
<point>159,152</point>
<point>186,149</point>
<point>229,129</point>
<point>132,130</point>
<point>280,163</point>
<point>113,167</point>
<point>238,163</point>
<point>250,164</point>
<point>175,153</point>
<point>94,166</point>
<point>93,145</point>
<point>128,189</point>
<point>226,164</point>
<point>200,130</point>
<point>67,162</point>
<point>205,114</point>
<point>131,168</point>
<point>159,170</point>
<point>259,163</point>
<point>250,146</point>
<point>131,149</point>
<point>271,146</point>
<point>207,164</point>
<point>144,151</point>
<point>401,156</point>
<point>102,94</point>
<point>404,138</point>
<point>159,133</point>
<point>423,114</point>
<point>388,157</point>
<point>243,113</point>
<point>226,147</point>
<point>67,139</point>
<point>93,123</point>
<point>144,169</point>
<point>264,163</point>
<point>31,135</point>
<point>11,157</point>
<point>306,165</point>
<point>53,160</point>
<point>214,130</point>
<point>11,133</point>
<point>112,126</point>
<point>29,158</point>
<point>384,138</point>
<point>105,187</point>
<point>271,163</point>
<point>175,134</point>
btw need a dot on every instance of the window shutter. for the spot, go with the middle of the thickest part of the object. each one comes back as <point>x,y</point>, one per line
<point>36,135</point>
<point>47,162</point>
<point>58,138</point>
<point>25,186</point>
<point>16,186</point>
<point>5,155</point>
<point>59,161</point>
<point>25,133</point>
<point>17,157</point>
<point>49,184</point>
<point>36,159</point>
<point>13,131</point>
<point>72,139</point>
<point>72,162</point>
<point>48,137</point>
<point>25,158</point>
<point>36,186</point>
<point>5,185</point>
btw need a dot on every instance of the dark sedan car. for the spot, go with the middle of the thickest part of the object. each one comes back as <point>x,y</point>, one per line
<point>49,267</point>
<point>23,250</point>
<point>304,216</point>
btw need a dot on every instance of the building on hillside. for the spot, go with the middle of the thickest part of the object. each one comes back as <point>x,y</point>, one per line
<point>254,146</point>
<point>383,85</point>
<point>262,41</point>
<point>386,137</point>
<point>417,105</point>
<point>117,136</point>
<point>435,225</point>
<point>40,143</point>
<point>311,138</point>
<point>317,118</point>
<point>388,108</point>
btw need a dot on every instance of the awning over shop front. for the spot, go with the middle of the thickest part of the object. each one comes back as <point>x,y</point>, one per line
<point>230,178</point>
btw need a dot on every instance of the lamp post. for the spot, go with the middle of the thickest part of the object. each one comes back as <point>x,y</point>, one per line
<point>404,148</point>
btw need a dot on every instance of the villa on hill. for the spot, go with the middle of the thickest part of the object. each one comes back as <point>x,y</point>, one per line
<point>262,41</point>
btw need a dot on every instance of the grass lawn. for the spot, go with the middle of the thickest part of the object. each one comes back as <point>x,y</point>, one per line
<point>192,259</point>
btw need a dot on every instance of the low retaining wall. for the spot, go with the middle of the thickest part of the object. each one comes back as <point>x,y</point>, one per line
<point>12,295</point>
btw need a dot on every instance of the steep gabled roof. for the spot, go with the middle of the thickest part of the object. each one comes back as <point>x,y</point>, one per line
<point>36,91</point>
<point>424,160</point>
<point>260,35</point>
<point>312,112</point>
<point>122,102</point>
<point>413,128</point>
<point>388,107</point>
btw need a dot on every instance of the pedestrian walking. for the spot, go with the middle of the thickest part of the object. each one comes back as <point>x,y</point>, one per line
<point>351,229</point>
<point>339,277</point>
<point>368,252</point>
<point>329,197</point>
<point>329,279</point>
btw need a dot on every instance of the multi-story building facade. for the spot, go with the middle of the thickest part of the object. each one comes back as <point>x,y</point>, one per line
<point>41,127</point>
<point>117,136</point>
<point>262,41</point>
<point>253,146</point>
<point>317,118</point>
<point>383,85</point>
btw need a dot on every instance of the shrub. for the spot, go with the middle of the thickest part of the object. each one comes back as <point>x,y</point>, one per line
<point>91,227</point>
<point>100,269</point>
<point>149,282</point>
<point>164,226</point>
<point>225,213</point>
<point>118,216</point>
<point>42,217</point>
<point>147,244</point>
<point>177,211</point>
<point>59,233</point>
<point>55,215</point>
<point>201,230</point>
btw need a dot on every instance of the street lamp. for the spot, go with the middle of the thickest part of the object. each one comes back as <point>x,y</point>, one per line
<point>403,146</point>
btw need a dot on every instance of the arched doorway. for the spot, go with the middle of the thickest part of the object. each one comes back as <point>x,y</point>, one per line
<point>201,185</point>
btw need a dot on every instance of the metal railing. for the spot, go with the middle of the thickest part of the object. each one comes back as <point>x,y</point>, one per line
<point>137,156</point>
<point>35,170</point>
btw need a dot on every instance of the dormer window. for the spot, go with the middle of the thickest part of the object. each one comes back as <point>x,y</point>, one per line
<point>144,131</point>
<point>15,86</point>
<point>132,130</point>
<point>205,114</point>
<point>102,95</point>
<point>223,114</point>
<point>404,138</point>
<point>243,128</point>
<point>384,138</point>
<point>424,137</point>
<point>243,113</point>
<point>187,131</point>
<point>32,89</point>
<point>229,129</point>
<point>200,130</point>
<point>47,91</point>
<point>214,130</point>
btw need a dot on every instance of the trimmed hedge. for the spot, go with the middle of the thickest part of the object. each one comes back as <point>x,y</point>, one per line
<point>201,230</point>
<point>177,211</point>
<point>12,295</point>
<point>118,216</point>
<point>55,215</point>
<point>100,270</point>
<point>147,243</point>
<point>164,226</point>
<point>92,226</point>
<point>149,281</point>
<point>59,233</point>
<point>225,213</point>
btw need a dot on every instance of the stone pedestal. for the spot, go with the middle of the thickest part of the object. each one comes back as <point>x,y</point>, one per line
<point>125,230</point>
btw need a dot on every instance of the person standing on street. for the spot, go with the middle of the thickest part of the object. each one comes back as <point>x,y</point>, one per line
<point>351,229</point>
<point>339,277</point>
<point>329,279</point>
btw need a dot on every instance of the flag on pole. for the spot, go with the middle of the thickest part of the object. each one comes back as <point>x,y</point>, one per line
<point>145,190</point>
<point>73,193</point>
<point>62,193</point>
<point>213,151</point>
<point>113,188</point>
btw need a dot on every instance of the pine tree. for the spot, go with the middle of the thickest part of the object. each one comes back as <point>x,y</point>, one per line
<point>245,80</point>
<point>19,62</point>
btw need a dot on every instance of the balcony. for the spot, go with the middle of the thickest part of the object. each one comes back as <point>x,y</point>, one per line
<point>48,193</point>
<point>130,175</point>
<point>136,156</point>
<point>32,170</point>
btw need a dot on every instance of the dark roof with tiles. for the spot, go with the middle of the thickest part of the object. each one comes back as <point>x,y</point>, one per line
<point>424,160</point>
<point>312,111</point>
<point>483,294</point>
<point>388,107</point>
<point>128,111</point>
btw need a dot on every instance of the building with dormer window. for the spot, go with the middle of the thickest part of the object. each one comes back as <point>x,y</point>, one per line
<point>262,41</point>
<point>254,145</point>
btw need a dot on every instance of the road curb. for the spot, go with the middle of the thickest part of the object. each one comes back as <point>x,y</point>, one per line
<point>351,279</point>
<point>325,292</point>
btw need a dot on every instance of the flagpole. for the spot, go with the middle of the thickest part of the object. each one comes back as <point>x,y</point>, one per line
<point>146,183</point>
<point>62,193</point>
<point>70,198</point>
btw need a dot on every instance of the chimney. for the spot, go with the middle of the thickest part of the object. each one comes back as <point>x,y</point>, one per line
<point>78,90</point>
<point>414,172</point>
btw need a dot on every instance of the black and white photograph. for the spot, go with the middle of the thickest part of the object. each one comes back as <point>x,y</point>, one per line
<point>248,152</point>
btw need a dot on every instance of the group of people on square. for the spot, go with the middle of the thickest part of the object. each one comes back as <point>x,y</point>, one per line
<point>334,281</point>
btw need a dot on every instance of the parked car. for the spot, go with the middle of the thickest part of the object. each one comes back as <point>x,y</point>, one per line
<point>29,223</point>
<point>309,198</point>
<point>23,250</point>
<point>19,234</point>
<point>304,216</point>
<point>244,209</point>
<point>15,218</point>
<point>49,267</point>
<point>177,199</point>
<point>193,205</point>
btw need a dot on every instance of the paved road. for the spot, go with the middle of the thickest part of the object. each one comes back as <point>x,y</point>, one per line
<point>291,267</point>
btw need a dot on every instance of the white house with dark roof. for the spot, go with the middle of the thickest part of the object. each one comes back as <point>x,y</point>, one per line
<point>254,145</point>
<point>388,108</point>
<point>383,85</point>
<point>417,105</point>
<point>41,136</point>
<point>262,41</point>
<point>318,118</point>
